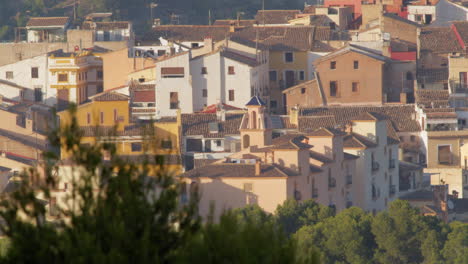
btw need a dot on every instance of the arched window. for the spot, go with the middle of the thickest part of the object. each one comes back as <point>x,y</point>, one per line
<point>409,76</point>
<point>246,141</point>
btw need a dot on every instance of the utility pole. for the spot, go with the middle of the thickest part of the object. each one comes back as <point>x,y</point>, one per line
<point>209,17</point>
<point>263,11</point>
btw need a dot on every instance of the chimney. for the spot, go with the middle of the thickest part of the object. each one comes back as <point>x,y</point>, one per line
<point>220,112</point>
<point>208,42</point>
<point>257,168</point>
<point>294,115</point>
<point>172,51</point>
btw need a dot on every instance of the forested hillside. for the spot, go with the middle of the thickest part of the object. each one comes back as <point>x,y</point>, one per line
<point>15,13</point>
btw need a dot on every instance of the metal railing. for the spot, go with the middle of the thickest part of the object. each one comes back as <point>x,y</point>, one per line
<point>314,193</point>
<point>392,190</point>
<point>331,183</point>
<point>375,166</point>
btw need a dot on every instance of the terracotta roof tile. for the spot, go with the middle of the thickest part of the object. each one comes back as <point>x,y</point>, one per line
<point>110,96</point>
<point>354,140</point>
<point>198,124</point>
<point>234,22</point>
<point>236,170</point>
<point>239,58</point>
<point>90,25</point>
<point>47,21</point>
<point>439,40</point>
<point>432,75</point>
<point>311,123</point>
<point>290,141</point>
<point>462,29</point>
<point>400,116</point>
<point>326,132</point>
<point>275,16</point>
<point>320,157</point>
<point>192,33</point>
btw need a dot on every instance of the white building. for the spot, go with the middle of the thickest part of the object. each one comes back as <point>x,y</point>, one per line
<point>31,75</point>
<point>110,31</point>
<point>47,29</point>
<point>377,171</point>
<point>225,74</point>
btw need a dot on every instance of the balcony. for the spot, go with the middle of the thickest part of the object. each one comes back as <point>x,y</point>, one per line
<point>349,204</point>
<point>392,190</point>
<point>375,166</point>
<point>315,193</point>
<point>331,183</point>
<point>391,164</point>
<point>458,87</point>
<point>349,179</point>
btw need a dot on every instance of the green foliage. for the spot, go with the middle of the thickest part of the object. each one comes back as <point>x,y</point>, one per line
<point>292,215</point>
<point>456,248</point>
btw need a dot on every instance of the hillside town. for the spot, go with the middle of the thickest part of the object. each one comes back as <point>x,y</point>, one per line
<point>349,103</point>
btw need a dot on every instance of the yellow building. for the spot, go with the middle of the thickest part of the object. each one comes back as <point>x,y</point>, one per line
<point>106,118</point>
<point>73,77</point>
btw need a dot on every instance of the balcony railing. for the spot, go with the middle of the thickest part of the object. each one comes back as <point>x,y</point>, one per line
<point>315,193</point>
<point>391,164</point>
<point>458,87</point>
<point>349,179</point>
<point>392,190</point>
<point>375,166</point>
<point>331,183</point>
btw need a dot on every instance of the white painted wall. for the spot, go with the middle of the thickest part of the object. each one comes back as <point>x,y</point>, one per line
<point>22,77</point>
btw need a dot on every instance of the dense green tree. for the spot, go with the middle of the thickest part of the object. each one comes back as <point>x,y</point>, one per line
<point>345,238</point>
<point>292,215</point>
<point>456,248</point>
<point>399,233</point>
<point>252,213</point>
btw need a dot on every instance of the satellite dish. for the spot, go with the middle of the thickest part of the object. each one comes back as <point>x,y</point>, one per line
<point>450,204</point>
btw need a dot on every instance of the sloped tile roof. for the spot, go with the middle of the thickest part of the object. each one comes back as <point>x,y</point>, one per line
<point>462,29</point>
<point>310,123</point>
<point>326,132</point>
<point>90,25</point>
<point>427,96</point>
<point>439,40</point>
<point>47,21</point>
<point>235,22</point>
<point>144,96</point>
<point>400,116</point>
<point>192,33</point>
<point>239,58</point>
<point>235,170</point>
<point>348,156</point>
<point>275,16</point>
<point>110,96</point>
<point>320,157</point>
<point>290,141</point>
<point>198,124</point>
<point>354,140</point>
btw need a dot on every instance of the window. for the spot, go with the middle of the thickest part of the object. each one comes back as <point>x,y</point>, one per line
<point>273,76</point>
<point>136,147</point>
<point>88,118</point>
<point>333,89</point>
<point>231,95</point>
<point>273,104</point>
<point>172,72</point>
<point>205,93</point>
<point>288,57</point>
<point>409,76</point>
<point>333,65</point>
<point>102,117</point>
<point>195,45</point>
<point>106,35</point>
<point>174,100</point>
<point>248,187</point>
<point>445,154</point>
<point>100,88</point>
<point>37,94</point>
<point>9,75</point>
<point>204,70</point>
<point>303,90</point>
<point>356,65</point>
<point>301,75</point>
<point>161,52</point>
<point>166,144</point>
<point>63,77</point>
<point>100,75</point>
<point>116,116</point>
<point>218,143</point>
<point>231,70</point>
<point>34,72</point>
<point>445,86</point>
<point>355,87</point>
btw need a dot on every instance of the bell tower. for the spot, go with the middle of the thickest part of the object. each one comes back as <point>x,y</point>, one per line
<point>256,125</point>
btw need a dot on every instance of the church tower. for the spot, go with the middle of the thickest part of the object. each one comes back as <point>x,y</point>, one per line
<point>256,127</point>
